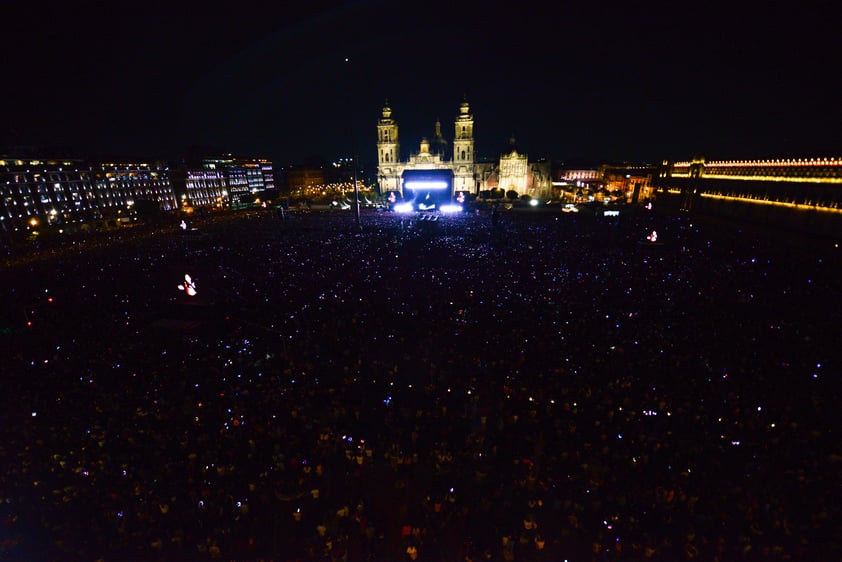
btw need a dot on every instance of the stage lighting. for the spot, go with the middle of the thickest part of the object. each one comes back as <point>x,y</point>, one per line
<point>420,184</point>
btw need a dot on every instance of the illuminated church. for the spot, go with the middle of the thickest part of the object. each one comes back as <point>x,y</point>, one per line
<point>430,171</point>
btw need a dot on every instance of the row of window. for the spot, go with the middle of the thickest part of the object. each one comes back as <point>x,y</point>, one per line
<point>67,195</point>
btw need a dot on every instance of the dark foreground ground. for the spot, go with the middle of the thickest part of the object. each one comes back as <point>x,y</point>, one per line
<point>552,388</point>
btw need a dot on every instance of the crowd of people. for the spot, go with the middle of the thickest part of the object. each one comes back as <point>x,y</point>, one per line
<point>529,386</point>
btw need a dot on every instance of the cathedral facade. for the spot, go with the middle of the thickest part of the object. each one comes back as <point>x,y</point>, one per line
<point>453,172</point>
<point>458,172</point>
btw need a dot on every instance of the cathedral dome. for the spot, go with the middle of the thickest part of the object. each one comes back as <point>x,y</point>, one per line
<point>439,144</point>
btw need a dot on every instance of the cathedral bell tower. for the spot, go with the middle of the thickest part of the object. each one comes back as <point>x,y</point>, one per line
<point>388,151</point>
<point>463,151</point>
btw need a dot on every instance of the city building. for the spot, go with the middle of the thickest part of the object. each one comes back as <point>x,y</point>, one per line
<point>796,194</point>
<point>629,183</point>
<point>268,175</point>
<point>200,187</point>
<point>443,170</point>
<point>797,183</point>
<point>36,192</point>
<point>244,177</point>
<point>72,193</point>
<point>513,173</point>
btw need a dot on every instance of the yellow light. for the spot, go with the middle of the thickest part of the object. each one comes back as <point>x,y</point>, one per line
<point>33,221</point>
<point>756,201</point>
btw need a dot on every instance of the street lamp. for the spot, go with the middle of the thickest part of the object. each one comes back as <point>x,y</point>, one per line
<point>356,190</point>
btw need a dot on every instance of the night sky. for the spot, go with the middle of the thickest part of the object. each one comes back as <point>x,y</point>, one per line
<point>598,82</point>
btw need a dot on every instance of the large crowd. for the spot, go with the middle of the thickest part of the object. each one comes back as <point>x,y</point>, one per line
<point>540,386</point>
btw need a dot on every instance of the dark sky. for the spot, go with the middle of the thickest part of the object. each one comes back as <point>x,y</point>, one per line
<point>631,81</point>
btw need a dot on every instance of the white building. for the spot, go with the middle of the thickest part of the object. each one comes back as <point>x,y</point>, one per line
<point>432,167</point>
<point>430,172</point>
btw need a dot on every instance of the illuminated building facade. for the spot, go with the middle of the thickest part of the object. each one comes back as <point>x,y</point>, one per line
<point>803,183</point>
<point>238,183</point>
<point>462,172</point>
<point>632,183</point>
<point>48,192</point>
<point>513,172</point>
<point>817,170</point>
<point>513,168</point>
<point>463,151</point>
<point>242,176</point>
<point>268,174</point>
<point>200,187</point>
<point>607,182</point>
<point>64,192</point>
<point>427,165</point>
<point>575,183</point>
<point>256,177</point>
<point>589,175</point>
<point>791,194</point>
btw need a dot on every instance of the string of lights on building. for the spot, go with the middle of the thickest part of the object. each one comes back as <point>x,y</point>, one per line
<point>821,170</point>
<point>795,183</point>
